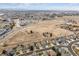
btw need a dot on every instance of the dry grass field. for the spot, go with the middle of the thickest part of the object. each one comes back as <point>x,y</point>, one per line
<point>34,32</point>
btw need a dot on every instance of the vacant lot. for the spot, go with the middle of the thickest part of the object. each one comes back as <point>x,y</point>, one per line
<point>34,32</point>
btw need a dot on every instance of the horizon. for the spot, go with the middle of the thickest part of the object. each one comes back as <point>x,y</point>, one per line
<point>40,6</point>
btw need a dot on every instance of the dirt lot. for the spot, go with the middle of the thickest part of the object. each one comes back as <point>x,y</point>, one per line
<point>34,32</point>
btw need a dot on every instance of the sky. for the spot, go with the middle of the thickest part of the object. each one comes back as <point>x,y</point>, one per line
<point>40,6</point>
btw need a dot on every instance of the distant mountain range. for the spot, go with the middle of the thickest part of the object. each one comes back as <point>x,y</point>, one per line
<point>11,11</point>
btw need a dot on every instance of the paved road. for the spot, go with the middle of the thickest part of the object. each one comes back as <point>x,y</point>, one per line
<point>44,49</point>
<point>12,33</point>
<point>69,46</point>
<point>71,49</point>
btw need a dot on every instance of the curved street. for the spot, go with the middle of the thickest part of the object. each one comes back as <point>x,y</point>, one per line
<point>71,49</point>
<point>69,46</point>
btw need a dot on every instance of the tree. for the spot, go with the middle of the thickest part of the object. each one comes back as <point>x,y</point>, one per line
<point>12,25</point>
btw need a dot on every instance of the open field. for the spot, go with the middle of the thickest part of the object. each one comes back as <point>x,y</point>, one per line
<point>36,32</point>
<point>38,29</point>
